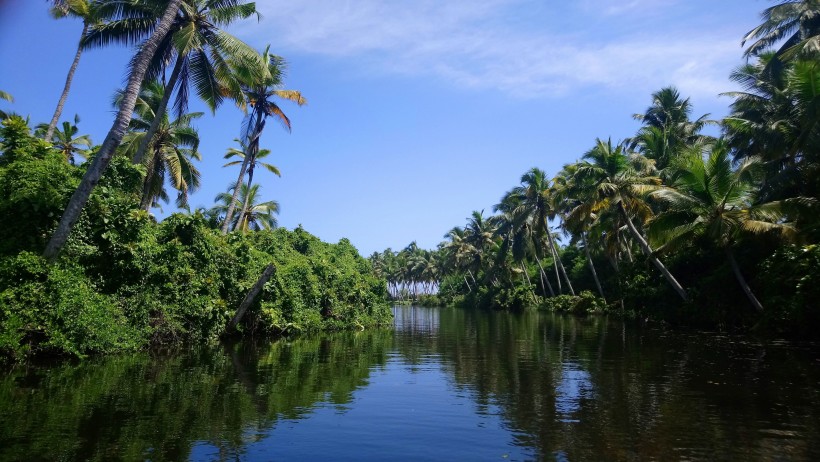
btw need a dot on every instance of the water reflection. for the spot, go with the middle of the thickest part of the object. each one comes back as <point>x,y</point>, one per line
<point>444,385</point>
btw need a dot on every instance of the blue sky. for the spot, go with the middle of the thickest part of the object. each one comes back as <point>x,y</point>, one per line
<point>421,111</point>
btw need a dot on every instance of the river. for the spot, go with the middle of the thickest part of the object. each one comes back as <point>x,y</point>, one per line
<point>443,384</point>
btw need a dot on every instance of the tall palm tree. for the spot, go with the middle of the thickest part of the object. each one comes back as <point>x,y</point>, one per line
<point>711,199</point>
<point>260,86</point>
<point>536,197</point>
<point>257,215</point>
<point>173,149</point>
<point>794,24</point>
<point>575,197</point>
<point>139,66</point>
<point>66,141</point>
<point>667,128</point>
<point>255,161</point>
<point>198,47</point>
<point>90,12</point>
<point>619,185</point>
<point>775,118</point>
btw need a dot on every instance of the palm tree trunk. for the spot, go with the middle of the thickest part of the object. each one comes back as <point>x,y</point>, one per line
<point>246,205</point>
<point>544,277</point>
<point>559,262</point>
<point>650,254</point>
<point>742,281</point>
<point>592,266</point>
<point>63,97</point>
<point>159,115</point>
<point>112,140</point>
<point>147,199</point>
<point>239,180</point>
<point>469,289</point>
<point>555,266</point>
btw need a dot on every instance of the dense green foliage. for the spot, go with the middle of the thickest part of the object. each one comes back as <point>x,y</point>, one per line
<point>126,281</point>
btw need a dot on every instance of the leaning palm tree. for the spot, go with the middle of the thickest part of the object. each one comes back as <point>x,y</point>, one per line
<point>139,66</point>
<point>256,215</point>
<point>91,13</point>
<point>66,141</point>
<point>261,84</point>
<point>255,161</point>
<point>536,197</point>
<point>794,25</point>
<point>173,148</point>
<point>198,47</point>
<point>619,185</point>
<point>711,199</point>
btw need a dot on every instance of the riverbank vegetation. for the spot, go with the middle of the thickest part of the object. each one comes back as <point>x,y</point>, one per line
<point>86,268</point>
<point>689,220</point>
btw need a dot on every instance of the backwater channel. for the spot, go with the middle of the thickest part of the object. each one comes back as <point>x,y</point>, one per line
<point>443,384</point>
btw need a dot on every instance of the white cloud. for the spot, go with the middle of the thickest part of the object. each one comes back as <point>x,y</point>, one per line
<point>497,45</point>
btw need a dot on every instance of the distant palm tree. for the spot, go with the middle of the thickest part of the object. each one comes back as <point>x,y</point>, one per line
<point>536,197</point>
<point>261,83</point>
<point>256,215</point>
<point>667,129</point>
<point>65,140</point>
<point>253,162</point>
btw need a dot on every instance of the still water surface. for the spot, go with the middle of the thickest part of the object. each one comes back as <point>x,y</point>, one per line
<point>443,385</point>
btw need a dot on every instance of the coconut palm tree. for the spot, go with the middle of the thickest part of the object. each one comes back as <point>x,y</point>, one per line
<point>261,86</point>
<point>775,118</point>
<point>575,197</point>
<point>174,147</point>
<point>258,155</point>
<point>198,47</point>
<point>257,215</point>
<point>138,67</point>
<point>620,185</point>
<point>667,129</point>
<point>536,197</point>
<point>91,13</point>
<point>795,25</point>
<point>711,199</point>
<point>66,141</point>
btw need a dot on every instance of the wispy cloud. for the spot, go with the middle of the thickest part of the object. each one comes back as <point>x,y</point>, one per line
<point>513,46</point>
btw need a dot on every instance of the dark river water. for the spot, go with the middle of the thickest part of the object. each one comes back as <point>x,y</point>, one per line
<point>447,384</point>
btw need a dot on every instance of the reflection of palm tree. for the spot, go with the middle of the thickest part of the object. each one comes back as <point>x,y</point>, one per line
<point>66,142</point>
<point>256,215</point>
<point>710,199</point>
